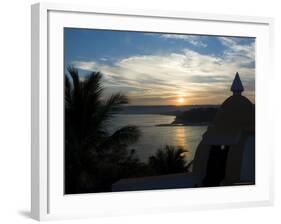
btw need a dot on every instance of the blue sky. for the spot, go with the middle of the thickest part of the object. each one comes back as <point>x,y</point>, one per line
<point>163,69</point>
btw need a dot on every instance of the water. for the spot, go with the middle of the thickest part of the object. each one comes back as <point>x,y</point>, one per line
<point>154,137</point>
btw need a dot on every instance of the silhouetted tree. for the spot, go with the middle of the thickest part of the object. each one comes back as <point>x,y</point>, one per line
<point>167,160</point>
<point>93,157</point>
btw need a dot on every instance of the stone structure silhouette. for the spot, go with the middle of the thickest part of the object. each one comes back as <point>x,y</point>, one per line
<point>226,154</point>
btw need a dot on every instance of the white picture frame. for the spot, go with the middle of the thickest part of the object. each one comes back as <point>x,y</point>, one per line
<point>48,201</point>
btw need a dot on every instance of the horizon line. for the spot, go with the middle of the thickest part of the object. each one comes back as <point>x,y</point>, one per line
<point>173,105</point>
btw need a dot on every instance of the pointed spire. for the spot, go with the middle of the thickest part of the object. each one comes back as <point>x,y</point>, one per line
<point>237,87</point>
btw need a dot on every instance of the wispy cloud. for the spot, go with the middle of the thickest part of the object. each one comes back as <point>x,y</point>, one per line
<point>161,79</point>
<point>192,39</point>
<point>244,53</point>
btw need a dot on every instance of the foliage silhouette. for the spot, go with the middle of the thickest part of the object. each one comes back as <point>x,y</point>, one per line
<point>168,160</point>
<point>94,159</point>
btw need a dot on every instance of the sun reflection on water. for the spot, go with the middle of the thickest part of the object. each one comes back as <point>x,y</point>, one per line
<point>181,141</point>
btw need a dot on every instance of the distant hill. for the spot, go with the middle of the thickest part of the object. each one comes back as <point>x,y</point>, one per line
<point>162,110</point>
<point>197,116</point>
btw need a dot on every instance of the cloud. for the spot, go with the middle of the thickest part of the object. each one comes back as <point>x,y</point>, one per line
<point>244,53</point>
<point>103,59</point>
<point>200,78</point>
<point>192,39</point>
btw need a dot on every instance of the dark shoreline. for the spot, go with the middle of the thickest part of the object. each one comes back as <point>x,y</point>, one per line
<point>182,125</point>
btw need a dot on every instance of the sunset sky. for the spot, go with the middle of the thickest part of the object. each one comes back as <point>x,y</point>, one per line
<point>163,69</point>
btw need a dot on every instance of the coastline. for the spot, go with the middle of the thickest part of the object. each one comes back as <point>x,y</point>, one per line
<point>183,124</point>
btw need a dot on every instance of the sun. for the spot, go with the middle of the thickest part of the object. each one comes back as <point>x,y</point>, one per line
<point>180,100</point>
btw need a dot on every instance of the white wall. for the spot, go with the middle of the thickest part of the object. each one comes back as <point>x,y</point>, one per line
<point>15,110</point>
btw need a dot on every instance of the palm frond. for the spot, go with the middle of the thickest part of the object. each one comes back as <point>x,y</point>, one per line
<point>125,136</point>
<point>75,77</point>
<point>67,91</point>
<point>168,160</point>
<point>106,110</point>
<point>115,100</point>
<point>92,84</point>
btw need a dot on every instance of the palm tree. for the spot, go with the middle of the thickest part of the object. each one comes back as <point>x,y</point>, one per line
<point>168,160</point>
<point>88,145</point>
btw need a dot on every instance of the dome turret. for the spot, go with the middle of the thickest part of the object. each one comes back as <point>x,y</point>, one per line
<point>237,86</point>
<point>236,112</point>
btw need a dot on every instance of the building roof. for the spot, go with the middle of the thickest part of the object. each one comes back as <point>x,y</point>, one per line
<point>237,112</point>
<point>237,86</point>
